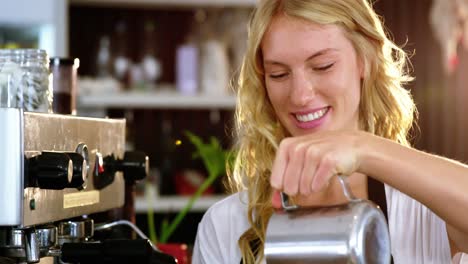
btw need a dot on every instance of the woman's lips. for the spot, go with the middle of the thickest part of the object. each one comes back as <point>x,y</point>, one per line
<point>311,119</point>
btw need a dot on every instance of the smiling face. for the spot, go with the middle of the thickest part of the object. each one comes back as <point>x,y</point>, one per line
<point>312,76</point>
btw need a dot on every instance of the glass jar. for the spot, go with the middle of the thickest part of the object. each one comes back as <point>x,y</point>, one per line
<point>64,72</point>
<point>24,80</point>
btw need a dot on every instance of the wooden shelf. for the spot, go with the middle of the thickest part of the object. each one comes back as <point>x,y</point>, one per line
<point>175,3</point>
<point>166,204</point>
<point>155,100</point>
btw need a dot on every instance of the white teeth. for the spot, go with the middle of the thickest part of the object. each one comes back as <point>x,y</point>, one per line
<point>311,116</point>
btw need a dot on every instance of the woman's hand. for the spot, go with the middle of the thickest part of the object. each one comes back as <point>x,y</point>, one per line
<point>304,165</point>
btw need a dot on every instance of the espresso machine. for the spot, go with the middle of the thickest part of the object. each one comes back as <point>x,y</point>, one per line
<point>56,172</point>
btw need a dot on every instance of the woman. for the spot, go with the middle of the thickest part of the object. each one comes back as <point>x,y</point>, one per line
<point>320,94</point>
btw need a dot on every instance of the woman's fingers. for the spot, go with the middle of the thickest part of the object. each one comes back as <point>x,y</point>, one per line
<point>304,165</point>
<point>276,199</point>
<point>294,168</point>
<point>288,166</point>
<point>308,172</point>
<point>279,166</point>
<point>325,171</point>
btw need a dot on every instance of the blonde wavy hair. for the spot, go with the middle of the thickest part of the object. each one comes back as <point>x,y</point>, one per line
<point>386,108</point>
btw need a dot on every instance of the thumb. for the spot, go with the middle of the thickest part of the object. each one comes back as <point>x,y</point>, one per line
<point>276,199</point>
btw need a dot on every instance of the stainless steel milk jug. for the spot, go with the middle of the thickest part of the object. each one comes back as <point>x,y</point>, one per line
<point>355,232</point>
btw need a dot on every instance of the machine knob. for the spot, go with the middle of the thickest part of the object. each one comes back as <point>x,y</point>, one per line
<point>135,166</point>
<point>54,170</point>
<point>80,171</point>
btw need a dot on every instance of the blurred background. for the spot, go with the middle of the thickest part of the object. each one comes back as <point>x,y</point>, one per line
<point>167,66</point>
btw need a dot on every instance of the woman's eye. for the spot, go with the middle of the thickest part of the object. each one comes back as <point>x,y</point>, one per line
<point>277,75</point>
<point>324,68</point>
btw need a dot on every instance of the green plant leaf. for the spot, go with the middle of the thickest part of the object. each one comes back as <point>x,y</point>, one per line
<point>214,158</point>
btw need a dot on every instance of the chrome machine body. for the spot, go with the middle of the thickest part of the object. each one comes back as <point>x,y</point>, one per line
<point>55,170</point>
<point>25,136</point>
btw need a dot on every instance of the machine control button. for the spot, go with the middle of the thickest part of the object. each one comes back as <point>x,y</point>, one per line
<point>82,149</point>
<point>100,167</point>
<point>53,170</point>
<point>102,175</point>
<point>80,171</point>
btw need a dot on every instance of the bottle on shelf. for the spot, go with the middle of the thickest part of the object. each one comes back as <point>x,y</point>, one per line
<point>121,63</point>
<point>187,64</point>
<point>64,72</point>
<point>214,62</point>
<point>150,64</point>
<point>103,62</point>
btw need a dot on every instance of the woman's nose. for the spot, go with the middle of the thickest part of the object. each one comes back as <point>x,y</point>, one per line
<point>302,89</point>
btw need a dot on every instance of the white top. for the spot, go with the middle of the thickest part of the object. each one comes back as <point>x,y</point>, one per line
<point>418,236</point>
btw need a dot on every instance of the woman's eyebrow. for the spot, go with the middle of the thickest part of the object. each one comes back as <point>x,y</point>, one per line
<point>321,52</point>
<point>311,57</point>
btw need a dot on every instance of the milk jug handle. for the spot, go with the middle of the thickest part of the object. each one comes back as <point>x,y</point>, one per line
<point>287,206</point>
<point>285,203</point>
<point>346,190</point>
